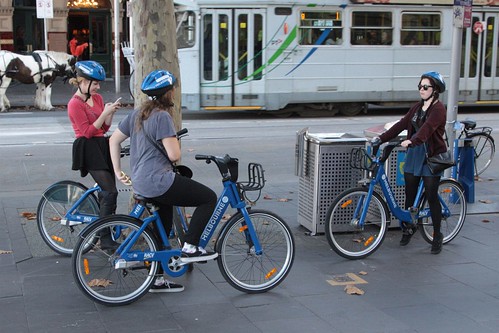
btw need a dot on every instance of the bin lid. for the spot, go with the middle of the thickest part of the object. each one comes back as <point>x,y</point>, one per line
<point>333,137</point>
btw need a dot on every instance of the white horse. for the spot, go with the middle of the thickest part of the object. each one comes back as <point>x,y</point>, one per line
<point>41,67</point>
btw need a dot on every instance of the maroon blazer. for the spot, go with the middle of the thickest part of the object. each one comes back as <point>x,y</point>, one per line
<point>431,131</point>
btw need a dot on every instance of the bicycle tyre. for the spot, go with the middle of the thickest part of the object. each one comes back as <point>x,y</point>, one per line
<point>344,236</point>
<point>53,206</point>
<point>485,148</point>
<point>241,267</point>
<point>94,272</point>
<point>451,192</point>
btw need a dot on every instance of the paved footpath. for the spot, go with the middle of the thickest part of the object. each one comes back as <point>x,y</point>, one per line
<point>405,289</point>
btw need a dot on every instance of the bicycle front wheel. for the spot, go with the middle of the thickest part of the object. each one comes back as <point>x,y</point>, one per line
<point>484,147</point>
<point>453,211</point>
<point>241,266</point>
<point>96,273</point>
<point>52,208</point>
<point>347,235</point>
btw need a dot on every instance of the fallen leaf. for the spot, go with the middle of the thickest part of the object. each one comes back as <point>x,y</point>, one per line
<point>485,221</point>
<point>190,149</point>
<point>485,201</point>
<point>29,215</point>
<point>5,252</point>
<point>267,197</point>
<point>99,283</point>
<point>353,290</point>
<point>283,200</point>
<point>55,218</point>
<point>226,217</point>
<point>362,273</point>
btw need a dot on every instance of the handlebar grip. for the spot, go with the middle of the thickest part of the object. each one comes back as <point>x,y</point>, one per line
<point>182,132</point>
<point>202,157</point>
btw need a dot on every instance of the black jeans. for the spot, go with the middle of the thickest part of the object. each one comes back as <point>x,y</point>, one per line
<point>431,191</point>
<point>186,192</point>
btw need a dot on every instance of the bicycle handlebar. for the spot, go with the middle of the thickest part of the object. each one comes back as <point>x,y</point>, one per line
<point>221,162</point>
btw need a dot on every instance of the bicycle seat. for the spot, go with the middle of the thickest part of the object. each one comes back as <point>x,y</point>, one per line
<point>468,124</point>
<point>142,200</point>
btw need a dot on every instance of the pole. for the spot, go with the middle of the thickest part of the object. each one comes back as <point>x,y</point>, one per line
<point>117,69</point>
<point>45,33</point>
<point>454,83</point>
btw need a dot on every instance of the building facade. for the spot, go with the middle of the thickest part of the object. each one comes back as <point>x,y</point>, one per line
<point>89,23</point>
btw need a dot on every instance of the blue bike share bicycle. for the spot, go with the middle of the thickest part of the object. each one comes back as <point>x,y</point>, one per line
<point>67,207</point>
<point>256,247</point>
<point>357,220</point>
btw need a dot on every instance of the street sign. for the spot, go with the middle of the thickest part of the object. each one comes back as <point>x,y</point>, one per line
<point>44,9</point>
<point>463,13</point>
<point>478,27</point>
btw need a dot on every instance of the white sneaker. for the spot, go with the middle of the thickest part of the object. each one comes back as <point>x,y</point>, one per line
<point>192,253</point>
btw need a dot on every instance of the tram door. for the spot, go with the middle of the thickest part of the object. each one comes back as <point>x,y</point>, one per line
<point>232,59</point>
<point>480,60</point>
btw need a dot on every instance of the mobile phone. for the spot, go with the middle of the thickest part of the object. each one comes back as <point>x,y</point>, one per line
<point>117,100</point>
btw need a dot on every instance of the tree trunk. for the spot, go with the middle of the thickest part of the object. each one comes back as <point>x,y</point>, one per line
<point>155,46</point>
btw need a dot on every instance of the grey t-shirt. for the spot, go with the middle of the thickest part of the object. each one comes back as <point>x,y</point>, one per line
<point>152,174</point>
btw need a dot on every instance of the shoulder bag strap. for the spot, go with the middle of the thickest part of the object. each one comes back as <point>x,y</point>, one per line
<point>157,146</point>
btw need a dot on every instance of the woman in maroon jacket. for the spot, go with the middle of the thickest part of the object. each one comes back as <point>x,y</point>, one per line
<point>425,125</point>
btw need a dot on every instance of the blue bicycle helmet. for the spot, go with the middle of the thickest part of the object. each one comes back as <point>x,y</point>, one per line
<point>437,79</point>
<point>90,70</point>
<point>157,83</point>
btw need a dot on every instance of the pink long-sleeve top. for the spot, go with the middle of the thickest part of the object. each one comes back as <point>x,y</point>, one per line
<point>82,117</point>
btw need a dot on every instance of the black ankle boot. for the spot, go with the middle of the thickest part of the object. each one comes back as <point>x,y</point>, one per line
<point>436,245</point>
<point>407,235</point>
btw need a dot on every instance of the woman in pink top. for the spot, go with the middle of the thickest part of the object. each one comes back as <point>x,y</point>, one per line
<point>91,119</point>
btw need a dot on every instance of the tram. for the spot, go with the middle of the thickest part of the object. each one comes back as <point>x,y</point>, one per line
<point>328,56</point>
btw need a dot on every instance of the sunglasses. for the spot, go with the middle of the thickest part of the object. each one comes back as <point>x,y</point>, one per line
<point>424,86</point>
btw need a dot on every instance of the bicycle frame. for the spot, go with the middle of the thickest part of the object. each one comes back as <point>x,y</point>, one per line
<point>229,197</point>
<point>74,217</point>
<point>403,215</point>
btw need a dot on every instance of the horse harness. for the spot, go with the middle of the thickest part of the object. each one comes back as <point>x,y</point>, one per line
<point>38,59</point>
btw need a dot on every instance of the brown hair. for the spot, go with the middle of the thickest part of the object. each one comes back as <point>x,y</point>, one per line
<point>162,103</point>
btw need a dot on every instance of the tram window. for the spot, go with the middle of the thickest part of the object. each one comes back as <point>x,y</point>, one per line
<point>321,28</point>
<point>283,11</point>
<point>421,29</point>
<point>371,28</point>
<point>186,29</point>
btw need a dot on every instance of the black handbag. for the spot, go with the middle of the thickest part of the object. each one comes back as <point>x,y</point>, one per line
<point>439,162</point>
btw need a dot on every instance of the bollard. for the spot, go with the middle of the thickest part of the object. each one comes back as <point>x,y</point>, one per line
<point>466,168</point>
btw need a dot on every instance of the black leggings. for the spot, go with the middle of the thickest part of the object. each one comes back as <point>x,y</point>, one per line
<point>186,192</point>
<point>105,179</point>
<point>431,191</point>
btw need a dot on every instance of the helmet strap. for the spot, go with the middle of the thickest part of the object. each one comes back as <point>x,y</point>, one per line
<point>87,94</point>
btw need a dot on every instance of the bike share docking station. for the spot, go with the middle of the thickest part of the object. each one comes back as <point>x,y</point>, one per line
<point>464,170</point>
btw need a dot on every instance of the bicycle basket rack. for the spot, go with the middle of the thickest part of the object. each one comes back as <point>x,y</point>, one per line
<point>256,181</point>
<point>360,159</point>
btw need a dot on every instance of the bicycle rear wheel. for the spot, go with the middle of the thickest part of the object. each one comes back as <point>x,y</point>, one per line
<point>246,270</point>
<point>52,208</point>
<point>484,151</point>
<point>344,233</point>
<point>94,271</point>
<point>453,211</point>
